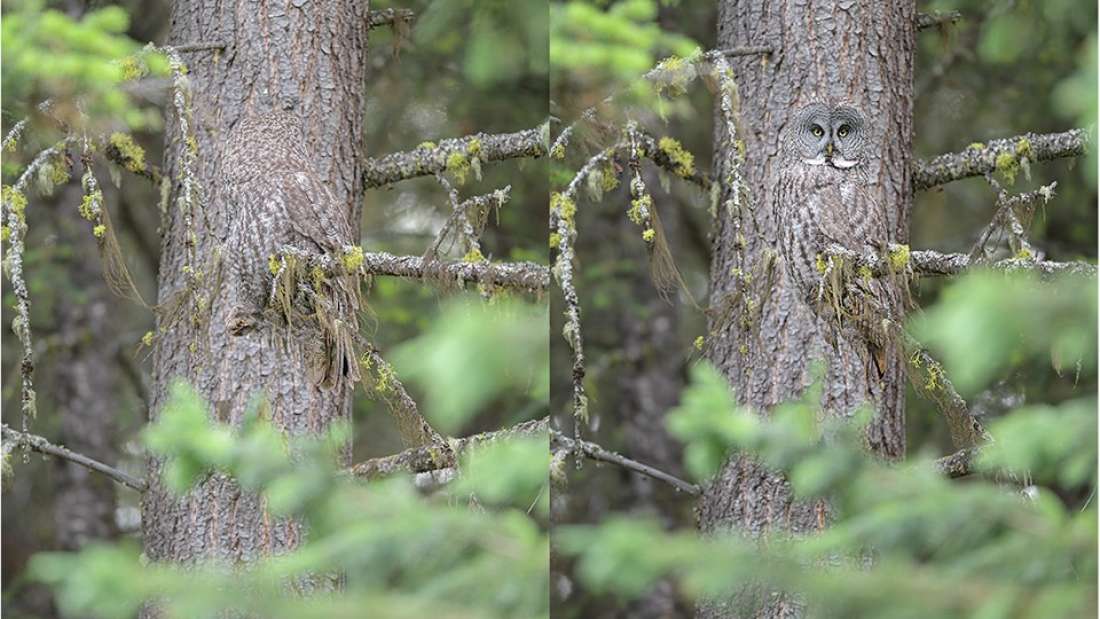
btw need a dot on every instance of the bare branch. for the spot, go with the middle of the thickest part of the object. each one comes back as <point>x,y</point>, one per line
<point>982,158</point>
<point>595,452</point>
<point>427,458</point>
<point>937,18</point>
<point>431,159</point>
<point>414,429</point>
<point>521,275</point>
<point>387,17</point>
<point>43,446</point>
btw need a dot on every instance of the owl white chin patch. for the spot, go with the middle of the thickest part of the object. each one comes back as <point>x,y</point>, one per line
<point>844,164</point>
<point>817,161</point>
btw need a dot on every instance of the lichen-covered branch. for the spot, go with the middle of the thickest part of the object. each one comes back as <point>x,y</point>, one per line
<point>426,458</point>
<point>453,154</point>
<point>13,135</point>
<point>937,18</point>
<point>13,206</point>
<point>518,275</point>
<point>598,453</point>
<point>1002,154</point>
<point>43,446</point>
<point>415,430</point>
<point>389,17</point>
<point>934,263</point>
<point>649,145</point>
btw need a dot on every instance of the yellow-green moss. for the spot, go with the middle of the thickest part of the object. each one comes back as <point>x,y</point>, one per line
<point>743,349</point>
<point>1024,254</point>
<point>147,339</point>
<point>819,263</point>
<point>555,240</point>
<point>976,146</point>
<point>865,273</point>
<point>133,156</point>
<point>132,68</point>
<point>608,178</point>
<point>648,235</point>
<point>5,233</point>
<point>683,160</point>
<point>557,152</point>
<point>739,146</point>
<point>459,166</point>
<point>565,207</point>
<point>1023,148</point>
<point>87,205</point>
<point>57,172</point>
<point>1008,166</point>
<point>639,209</point>
<point>317,275</point>
<point>15,199</point>
<point>473,147</point>
<point>699,341</point>
<point>353,258</point>
<point>899,257</point>
<point>474,255</point>
<point>935,377</point>
<point>273,264</point>
<point>99,231</point>
<point>426,145</point>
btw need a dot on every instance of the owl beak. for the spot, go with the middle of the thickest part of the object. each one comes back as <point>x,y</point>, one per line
<point>829,149</point>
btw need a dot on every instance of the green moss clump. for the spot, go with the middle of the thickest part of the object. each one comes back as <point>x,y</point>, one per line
<point>426,146</point>
<point>899,257</point>
<point>459,166</point>
<point>935,377</point>
<point>1023,148</point>
<point>1008,166</point>
<point>57,172</point>
<point>699,341</point>
<point>639,209</point>
<point>557,152</point>
<point>99,231</point>
<point>88,205</point>
<point>1024,254</point>
<point>865,273</point>
<point>133,156</point>
<point>353,258</point>
<point>15,199</point>
<point>976,146</point>
<point>147,339</point>
<point>566,208</point>
<point>473,148</point>
<point>273,264</point>
<point>555,240</point>
<point>683,160</point>
<point>819,263</point>
<point>609,180</point>
<point>648,235</point>
<point>132,68</point>
<point>474,255</point>
<point>5,233</point>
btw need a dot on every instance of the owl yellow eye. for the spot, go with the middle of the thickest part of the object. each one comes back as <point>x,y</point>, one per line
<point>843,131</point>
<point>817,131</point>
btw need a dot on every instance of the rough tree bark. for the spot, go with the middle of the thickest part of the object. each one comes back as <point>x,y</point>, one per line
<point>862,53</point>
<point>309,56</point>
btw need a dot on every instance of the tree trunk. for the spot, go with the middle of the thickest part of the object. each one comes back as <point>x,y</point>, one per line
<point>308,57</point>
<point>861,53</point>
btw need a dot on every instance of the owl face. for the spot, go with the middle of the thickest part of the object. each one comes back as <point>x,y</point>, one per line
<point>832,136</point>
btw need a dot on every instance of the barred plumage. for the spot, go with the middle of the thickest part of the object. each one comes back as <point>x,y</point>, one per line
<point>275,200</point>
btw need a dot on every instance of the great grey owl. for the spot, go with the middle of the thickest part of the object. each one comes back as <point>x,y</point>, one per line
<point>823,198</point>
<point>275,199</point>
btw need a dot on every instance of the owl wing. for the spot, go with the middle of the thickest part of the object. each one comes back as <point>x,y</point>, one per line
<point>314,215</point>
<point>851,217</point>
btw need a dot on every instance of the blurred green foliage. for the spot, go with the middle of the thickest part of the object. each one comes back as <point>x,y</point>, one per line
<point>905,541</point>
<point>475,548</point>
<point>50,55</point>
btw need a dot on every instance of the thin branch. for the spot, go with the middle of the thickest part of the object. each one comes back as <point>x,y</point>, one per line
<point>661,159</point>
<point>937,18</point>
<point>519,275</point>
<point>982,158</point>
<point>934,263</point>
<point>114,155</point>
<point>595,452</point>
<point>431,159</point>
<point>426,458</point>
<point>414,429</point>
<point>388,17</point>
<point>43,446</point>
<point>461,211</point>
